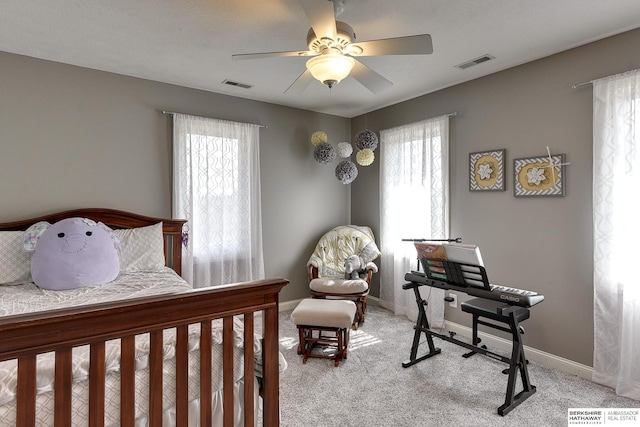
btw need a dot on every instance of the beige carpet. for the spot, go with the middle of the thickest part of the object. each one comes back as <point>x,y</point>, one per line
<point>371,388</point>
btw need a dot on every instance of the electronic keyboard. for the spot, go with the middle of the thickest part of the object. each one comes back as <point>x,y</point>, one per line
<point>506,294</point>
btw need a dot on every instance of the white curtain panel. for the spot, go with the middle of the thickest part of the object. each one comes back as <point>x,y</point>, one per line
<point>216,188</point>
<point>616,228</point>
<point>414,204</point>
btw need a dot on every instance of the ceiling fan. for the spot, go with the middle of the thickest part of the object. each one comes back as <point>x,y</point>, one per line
<point>334,49</point>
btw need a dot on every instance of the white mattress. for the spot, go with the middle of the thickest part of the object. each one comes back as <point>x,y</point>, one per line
<point>28,298</point>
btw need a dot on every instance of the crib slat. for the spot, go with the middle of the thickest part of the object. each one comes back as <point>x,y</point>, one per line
<point>249,419</point>
<point>127,381</point>
<point>227,370</point>
<point>155,378</point>
<point>62,390</point>
<point>205,374</point>
<point>271,372</point>
<point>26,406</point>
<point>182,372</point>
<point>96,385</point>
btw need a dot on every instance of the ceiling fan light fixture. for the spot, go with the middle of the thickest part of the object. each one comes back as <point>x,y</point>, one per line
<point>330,69</point>
<point>333,47</point>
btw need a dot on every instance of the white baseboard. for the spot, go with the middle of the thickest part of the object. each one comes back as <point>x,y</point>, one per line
<point>548,359</point>
<point>288,305</point>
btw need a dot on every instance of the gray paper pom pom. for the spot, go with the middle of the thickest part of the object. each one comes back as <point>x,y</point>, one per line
<point>367,139</point>
<point>346,171</point>
<point>324,153</point>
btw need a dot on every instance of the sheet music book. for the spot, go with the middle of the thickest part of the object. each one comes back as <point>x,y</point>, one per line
<point>431,256</point>
<point>458,252</point>
<point>467,254</point>
<point>430,250</point>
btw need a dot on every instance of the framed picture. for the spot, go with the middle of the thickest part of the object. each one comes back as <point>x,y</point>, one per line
<point>538,177</point>
<point>486,171</point>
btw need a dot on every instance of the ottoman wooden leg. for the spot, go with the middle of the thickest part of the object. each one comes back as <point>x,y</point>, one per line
<point>300,339</point>
<point>339,353</point>
<point>346,343</point>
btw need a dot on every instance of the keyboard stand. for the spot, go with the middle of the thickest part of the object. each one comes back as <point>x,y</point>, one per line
<point>422,325</point>
<point>480,308</point>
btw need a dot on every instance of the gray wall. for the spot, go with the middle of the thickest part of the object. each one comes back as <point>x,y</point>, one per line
<point>72,137</point>
<point>542,244</point>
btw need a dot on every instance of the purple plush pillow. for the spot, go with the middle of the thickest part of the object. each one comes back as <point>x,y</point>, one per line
<point>72,253</point>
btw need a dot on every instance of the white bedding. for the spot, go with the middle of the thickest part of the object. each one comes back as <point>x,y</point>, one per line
<point>25,298</point>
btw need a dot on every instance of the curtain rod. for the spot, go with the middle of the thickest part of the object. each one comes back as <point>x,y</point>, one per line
<point>577,85</point>
<point>455,113</point>
<point>205,117</point>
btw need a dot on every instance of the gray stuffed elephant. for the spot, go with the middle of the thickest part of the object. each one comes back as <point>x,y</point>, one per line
<point>353,266</point>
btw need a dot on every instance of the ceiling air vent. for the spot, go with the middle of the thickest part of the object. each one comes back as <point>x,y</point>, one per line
<point>236,84</point>
<point>480,60</point>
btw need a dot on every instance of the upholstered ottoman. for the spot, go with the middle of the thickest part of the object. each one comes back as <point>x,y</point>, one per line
<point>323,324</point>
<point>356,290</point>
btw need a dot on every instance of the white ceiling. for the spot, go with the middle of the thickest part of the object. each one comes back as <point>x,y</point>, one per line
<point>190,42</point>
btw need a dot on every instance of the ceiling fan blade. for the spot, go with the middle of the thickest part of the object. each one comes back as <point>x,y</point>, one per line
<point>410,45</point>
<point>241,56</point>
<point>300,84</point>
<point>369,78</point>
<point>321,16</point>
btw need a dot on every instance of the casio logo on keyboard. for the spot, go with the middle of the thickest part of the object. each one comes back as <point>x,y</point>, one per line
<point>510,298</point>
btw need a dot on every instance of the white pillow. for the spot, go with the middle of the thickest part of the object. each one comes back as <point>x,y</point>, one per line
<point>141,249</point>
<point>15,265</point>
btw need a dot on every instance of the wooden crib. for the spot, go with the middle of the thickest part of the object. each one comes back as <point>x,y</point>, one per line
<point>23,337</point>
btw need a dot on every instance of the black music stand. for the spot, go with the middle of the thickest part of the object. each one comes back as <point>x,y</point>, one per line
<point>480,308</point>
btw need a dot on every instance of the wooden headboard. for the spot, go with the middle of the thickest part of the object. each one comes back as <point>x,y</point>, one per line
<point>171,228</point>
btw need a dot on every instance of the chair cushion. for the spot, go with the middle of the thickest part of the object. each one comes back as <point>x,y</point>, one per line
<point>340,243</point>
<point>337,285</point>
<point>324,312</point>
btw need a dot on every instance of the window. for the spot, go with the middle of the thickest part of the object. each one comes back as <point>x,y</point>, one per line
<point>217,189</point>
<point>616,230</point>
<point>414,167</point>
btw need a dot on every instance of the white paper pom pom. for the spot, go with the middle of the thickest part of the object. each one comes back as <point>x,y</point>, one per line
<point>344,150</point>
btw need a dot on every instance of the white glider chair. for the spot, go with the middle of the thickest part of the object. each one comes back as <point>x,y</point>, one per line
<point>328,276</point>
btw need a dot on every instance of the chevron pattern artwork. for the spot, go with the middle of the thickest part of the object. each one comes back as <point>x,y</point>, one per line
<point>486,171</point>
<point>537,176</point>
